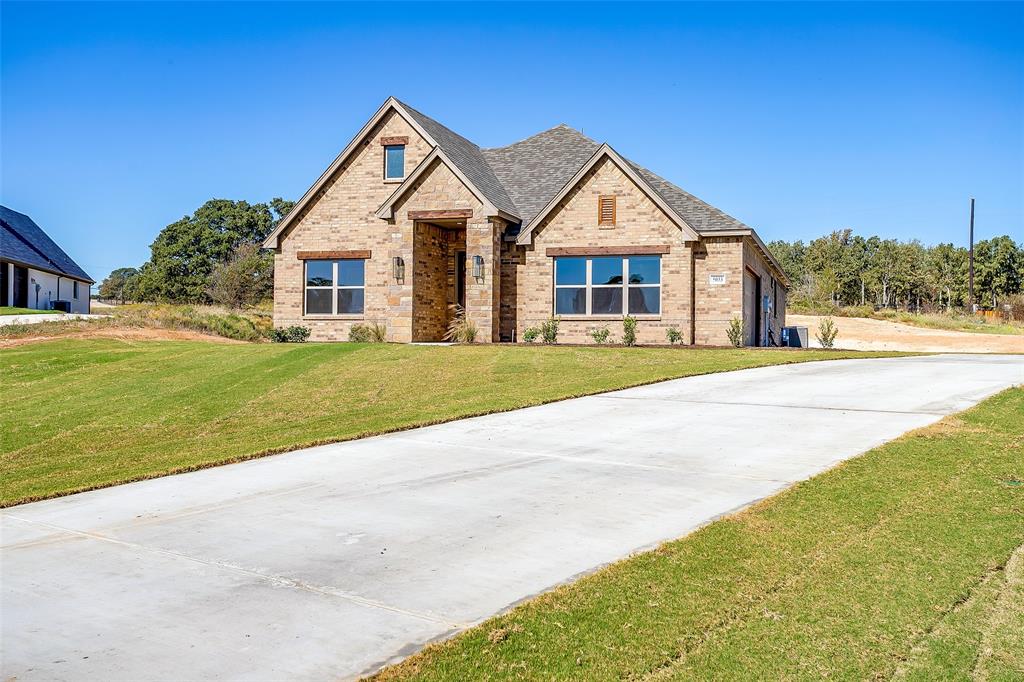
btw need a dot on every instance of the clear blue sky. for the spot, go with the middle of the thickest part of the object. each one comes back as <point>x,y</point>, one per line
<point>796,118</point>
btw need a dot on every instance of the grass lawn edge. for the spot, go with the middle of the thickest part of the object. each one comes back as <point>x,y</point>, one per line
<point>409,666</point>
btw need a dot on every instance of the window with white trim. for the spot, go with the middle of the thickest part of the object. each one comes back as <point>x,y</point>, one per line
<point>598,285</point>
<point>335,287</point>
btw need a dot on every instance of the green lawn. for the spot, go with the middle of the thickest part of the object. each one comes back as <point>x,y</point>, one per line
<point>894,564</point>
<point>9,310</point>
<point>94,412</point>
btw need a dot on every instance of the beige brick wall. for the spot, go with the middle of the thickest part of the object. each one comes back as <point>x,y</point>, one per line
<point>639,222</point>
<point>343,217</point>
<point>716,304</point>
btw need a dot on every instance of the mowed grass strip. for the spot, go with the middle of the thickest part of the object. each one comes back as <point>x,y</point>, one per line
<point>11,310</point>
<point>895,562</point>
<point>95,412</point>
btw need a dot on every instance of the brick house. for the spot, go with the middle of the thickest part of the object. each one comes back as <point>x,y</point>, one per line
<point>412,219</point>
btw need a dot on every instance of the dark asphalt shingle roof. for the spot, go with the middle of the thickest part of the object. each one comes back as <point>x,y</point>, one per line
<point>701,215</point>
<point>23,241</point>
<point>534,170</point>
<point>523,177</point>
<point>468,158</point>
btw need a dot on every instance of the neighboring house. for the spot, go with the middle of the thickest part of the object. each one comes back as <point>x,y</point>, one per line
<point>412,219</point>
<point>34,271</point>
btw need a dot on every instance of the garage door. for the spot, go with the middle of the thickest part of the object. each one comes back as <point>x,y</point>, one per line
<point>751,308</point>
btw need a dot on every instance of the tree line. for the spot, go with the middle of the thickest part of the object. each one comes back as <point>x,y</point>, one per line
<point>846,269</point>
<point>211,256</point>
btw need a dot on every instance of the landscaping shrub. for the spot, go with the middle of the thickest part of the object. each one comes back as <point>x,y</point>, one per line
<point>674,336</point>
<point>629,331</point>
<point>549,330</point>
<point>461,329</point>
<point>378,332</point>
<point>601,335</point>
<point>244,279</point>
<point>827,332</point>
<point>735,332</point>
<point>531,334</point>
<point>374,332</point>
<point>293,334</point>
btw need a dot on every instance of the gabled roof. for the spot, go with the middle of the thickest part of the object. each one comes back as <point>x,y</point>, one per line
<point>23,241</point>
<point>537,168</point>
<point>461,152</point>
<point>603,152</point>
<point>468,158</point>
<point>387,209</point>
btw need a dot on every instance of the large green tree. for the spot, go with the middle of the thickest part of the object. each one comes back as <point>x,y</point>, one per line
<point>187,251</point>
<point>948,274</point>
<point>117,285</point>
<point>998,263</point>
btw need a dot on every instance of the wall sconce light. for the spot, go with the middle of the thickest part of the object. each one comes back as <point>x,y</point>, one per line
<point>478,267</point>
<point>399,267</point>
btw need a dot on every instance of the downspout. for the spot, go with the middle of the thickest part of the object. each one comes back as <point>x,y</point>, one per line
<point>693,295</point>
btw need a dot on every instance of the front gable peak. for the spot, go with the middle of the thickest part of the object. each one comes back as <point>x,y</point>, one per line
<point>606,152</point>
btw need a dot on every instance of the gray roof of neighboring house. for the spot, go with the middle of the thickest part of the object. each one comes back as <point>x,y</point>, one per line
<point>23,241</point>
<point>468,158</point>
<point>529,173</point>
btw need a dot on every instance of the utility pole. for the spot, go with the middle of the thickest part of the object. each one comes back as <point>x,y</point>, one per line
<point>970,266</point>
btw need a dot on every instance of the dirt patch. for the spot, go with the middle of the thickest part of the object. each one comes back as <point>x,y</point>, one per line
<point>859,333</point>
<point>121,333</point>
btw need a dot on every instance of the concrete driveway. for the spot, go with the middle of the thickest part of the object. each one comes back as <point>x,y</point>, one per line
<point>333,561</point>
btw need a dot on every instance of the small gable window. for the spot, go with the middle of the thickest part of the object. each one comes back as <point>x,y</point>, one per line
<point>606,211</point>
<point>394,161</point>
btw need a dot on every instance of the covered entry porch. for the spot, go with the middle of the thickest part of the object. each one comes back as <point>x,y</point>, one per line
<point>439,276</point>
<point>455,263</point>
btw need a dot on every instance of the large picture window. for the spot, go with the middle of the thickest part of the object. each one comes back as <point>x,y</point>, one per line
<point>335,287</point>
<point>604,285</point>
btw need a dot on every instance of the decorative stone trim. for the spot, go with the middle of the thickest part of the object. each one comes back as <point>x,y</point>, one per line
<point>397,139</point>
<point>441,214</point>
<point>651,250</point>
<point>327,255</point>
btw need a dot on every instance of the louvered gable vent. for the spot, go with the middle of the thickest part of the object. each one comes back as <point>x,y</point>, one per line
<point>606,210</point>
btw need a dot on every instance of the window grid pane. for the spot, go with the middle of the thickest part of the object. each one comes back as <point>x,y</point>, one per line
<point>606,270</point>
<point>570,271</point>
<point>644,300</point>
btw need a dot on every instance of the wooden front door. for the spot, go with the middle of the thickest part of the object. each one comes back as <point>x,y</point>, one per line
<point>460,278</point>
